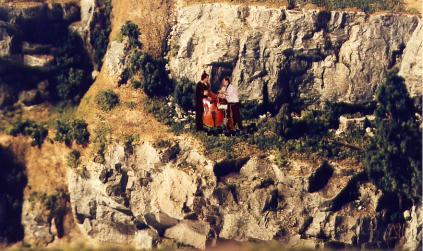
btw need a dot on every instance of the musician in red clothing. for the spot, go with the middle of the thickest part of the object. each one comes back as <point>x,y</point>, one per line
<point>203,90</point>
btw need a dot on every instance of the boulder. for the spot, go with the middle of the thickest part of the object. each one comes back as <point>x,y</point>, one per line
<point>6,40</point>
<point>348,124</point>
<point>412,62</point>
<point>192,233</point>
<point>30,97</point>
<point>413,229</point>
<point>41,61</point>
<point>115,61</point>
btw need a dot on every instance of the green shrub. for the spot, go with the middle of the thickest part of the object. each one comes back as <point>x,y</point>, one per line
<point>252,109</point>
<point>131,30</point>
<point>284,121</point>
<point>107,100</point>
<point>393,160</point>
<point>76,130</point>
<point>72,64</point>
<point>184,94</point>
<point>367,6</point>
<point>30,128</point>
<point>101,28</point>
<point>80,132</point>
<point>155,80</point>
<point>63,132</point>
<point>70,83</point>
<point>73,159</point>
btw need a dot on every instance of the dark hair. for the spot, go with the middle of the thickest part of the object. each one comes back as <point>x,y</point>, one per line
<point>204,75</point>
<point>227,79</point>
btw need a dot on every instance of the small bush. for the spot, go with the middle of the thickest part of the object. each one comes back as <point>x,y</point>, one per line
<point>131,30</point>
<point>76,131</point>
<point>252,109</point>
<point>284,121</point>
<point>30,128</point>
<point>63,132</point>
<point>184,94</point>
<point>107,100</point>
<point>80,132</point>
<point>155,80</point>
<point>73,159</point>
<point>70,83</point>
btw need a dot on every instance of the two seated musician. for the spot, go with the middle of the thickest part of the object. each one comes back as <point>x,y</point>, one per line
<point>230,93</point>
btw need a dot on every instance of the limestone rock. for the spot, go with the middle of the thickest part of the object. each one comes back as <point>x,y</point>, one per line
<point>37,223</point>
<point>412,62</point>
<point>6,40</point>
<point>136,197</point>
<point>189,233</point>
<point>30,97</point>
<point>41,61</point>
<point>333,56</point>
<point>413,230</point>
<point>115,61</point>
<point>347,124</point>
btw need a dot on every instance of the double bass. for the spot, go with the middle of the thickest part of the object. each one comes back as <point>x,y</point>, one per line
<point>214,113</point>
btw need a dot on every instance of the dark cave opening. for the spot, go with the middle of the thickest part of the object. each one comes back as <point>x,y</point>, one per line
<point>12,183</point>
<point>320,178</point>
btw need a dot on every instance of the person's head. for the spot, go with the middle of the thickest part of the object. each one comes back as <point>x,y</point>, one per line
<point>205,77</point>
<point>226,81</point>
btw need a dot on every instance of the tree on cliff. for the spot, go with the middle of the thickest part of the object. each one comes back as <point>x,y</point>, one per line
<point>131,30</point>
<point>393,161</point>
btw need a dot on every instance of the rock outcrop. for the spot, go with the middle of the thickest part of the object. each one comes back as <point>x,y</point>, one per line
<point>32,35</point>
<point>315,55</point>
<point>141,195</point>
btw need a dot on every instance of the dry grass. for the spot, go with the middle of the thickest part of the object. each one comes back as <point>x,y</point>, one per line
<point>153,17</point>
<point>411,5</point>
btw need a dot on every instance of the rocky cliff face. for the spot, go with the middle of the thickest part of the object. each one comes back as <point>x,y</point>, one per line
<point>162,193</point>
<point>316,55</point>
<point>32,35</point>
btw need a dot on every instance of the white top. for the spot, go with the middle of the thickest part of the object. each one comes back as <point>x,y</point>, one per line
<point>232,94</point>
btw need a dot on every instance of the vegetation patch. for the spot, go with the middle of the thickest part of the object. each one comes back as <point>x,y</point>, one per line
<point>107,100</point>
<point>37,132</point>
<point>101,28</point>
<point>74,159</point>
<point>154,78</point>
<point>368,6</point>
<point>132,32</point>
<point>72,64</point>
<point>393,159</point>
<point>184,94</point>
<point>68,132</point>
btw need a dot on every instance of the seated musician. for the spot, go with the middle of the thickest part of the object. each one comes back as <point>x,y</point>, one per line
<point>230,92</point>
<point>203,90</point>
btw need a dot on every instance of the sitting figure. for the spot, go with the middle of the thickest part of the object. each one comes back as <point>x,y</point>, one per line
<point>230,93</point>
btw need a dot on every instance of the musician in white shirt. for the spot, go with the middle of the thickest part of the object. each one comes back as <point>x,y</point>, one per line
<point>230,92</point>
